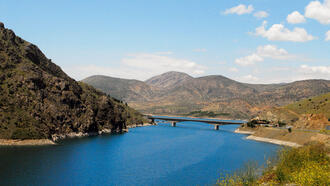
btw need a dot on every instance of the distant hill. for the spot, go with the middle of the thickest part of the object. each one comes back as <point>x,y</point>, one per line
<point>123,89</point>
<point>168,79</point>
<point>311,113</point>
<point>213,96</point>
<point>39,101</point>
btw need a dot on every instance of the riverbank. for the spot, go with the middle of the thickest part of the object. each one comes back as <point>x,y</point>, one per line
<point>274,141</point>
<point>283,137</point>
<point>27,142</point>
<point>40,142</point>
<point>267,140</point>
<point>140,125</point>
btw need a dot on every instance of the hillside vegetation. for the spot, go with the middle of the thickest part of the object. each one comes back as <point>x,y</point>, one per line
<point>315,105</point>
<point>310,113</point>
<point>307,165</point>
<point>38,100</point>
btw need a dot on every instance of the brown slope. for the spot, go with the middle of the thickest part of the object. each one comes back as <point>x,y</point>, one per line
<point>310,113</point>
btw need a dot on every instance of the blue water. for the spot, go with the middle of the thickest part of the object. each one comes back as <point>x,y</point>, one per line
<point>189,154</point>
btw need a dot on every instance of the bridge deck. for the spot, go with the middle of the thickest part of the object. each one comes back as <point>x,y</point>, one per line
<point>209,121</point>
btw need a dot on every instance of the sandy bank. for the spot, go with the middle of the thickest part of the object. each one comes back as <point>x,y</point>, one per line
<point>283,137</point>
<point>56,137</point>
<point>28,142</point>
<point>243,132</point>
<point>274,141</point>
<point>139,125</point>
<point>268,140</point>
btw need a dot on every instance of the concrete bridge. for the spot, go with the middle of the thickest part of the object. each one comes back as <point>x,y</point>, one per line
<point>174,120</point>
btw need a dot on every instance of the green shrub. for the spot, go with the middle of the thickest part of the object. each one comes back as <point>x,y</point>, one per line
<point>247,175</point>
<point>302,165</point>
<point>25,133</point>
<point>307,165</point>
<point>251,124</point>
<point>281,124</point>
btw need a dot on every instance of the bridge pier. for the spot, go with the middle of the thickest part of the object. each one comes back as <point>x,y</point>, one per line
<point>216,127</point>
<point>173,124</point>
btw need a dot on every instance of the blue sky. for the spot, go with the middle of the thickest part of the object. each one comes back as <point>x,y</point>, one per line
<point>253,41</point>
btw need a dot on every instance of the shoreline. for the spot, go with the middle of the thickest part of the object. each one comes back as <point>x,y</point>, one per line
<point>139,125</point>
<point>26,142</point>
<point>267,140</point>
<point>273,141</point>
<point>243,132</point>
<point>56,137</point>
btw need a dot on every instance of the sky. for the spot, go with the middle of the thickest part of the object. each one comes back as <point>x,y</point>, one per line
<point>252,41</point>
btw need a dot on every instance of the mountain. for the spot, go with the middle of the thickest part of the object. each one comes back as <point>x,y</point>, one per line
<point>310,113</point>
<point>39,101</point>
<point>123,89</point>
<point>168,79</point>
<point>212,96</point>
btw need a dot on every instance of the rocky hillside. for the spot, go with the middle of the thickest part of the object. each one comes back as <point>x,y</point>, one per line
<point>212,96</point>
<point>39,101</point>
<point>310,113</point>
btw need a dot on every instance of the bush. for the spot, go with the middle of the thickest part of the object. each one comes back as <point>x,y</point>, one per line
<point>302,166</point>
<point>251,124</point>
<point>25,133</point>
<point>281,124</point>
<point>247,175</point>
<point>307,165</point>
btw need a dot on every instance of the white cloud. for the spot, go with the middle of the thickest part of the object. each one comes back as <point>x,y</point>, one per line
<point>164,53</point>
<point>295,18</point>
<point>261,14</point>
<point>200,50</point>
<point>262,52</point>
<point>138,66</point>
<point>315,69</point>
<point>152,62</point>
<point>249,78</point>
<point>320,12</point>
<point>278,32</point>
<point>240,10</point>
<point>271,51</point>
<point>249,60</point>
<point>327,36</point>
<point>233,69</point>
<point>222,62</point>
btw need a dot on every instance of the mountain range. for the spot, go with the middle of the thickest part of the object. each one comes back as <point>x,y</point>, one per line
<point>177,93</point>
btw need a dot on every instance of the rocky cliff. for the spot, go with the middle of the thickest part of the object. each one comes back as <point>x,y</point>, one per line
<point>39,101</point>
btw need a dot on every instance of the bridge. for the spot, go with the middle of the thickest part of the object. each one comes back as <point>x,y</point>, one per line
<point>214,122</point>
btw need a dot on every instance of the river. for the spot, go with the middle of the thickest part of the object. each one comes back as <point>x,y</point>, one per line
<point>189,154</point>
